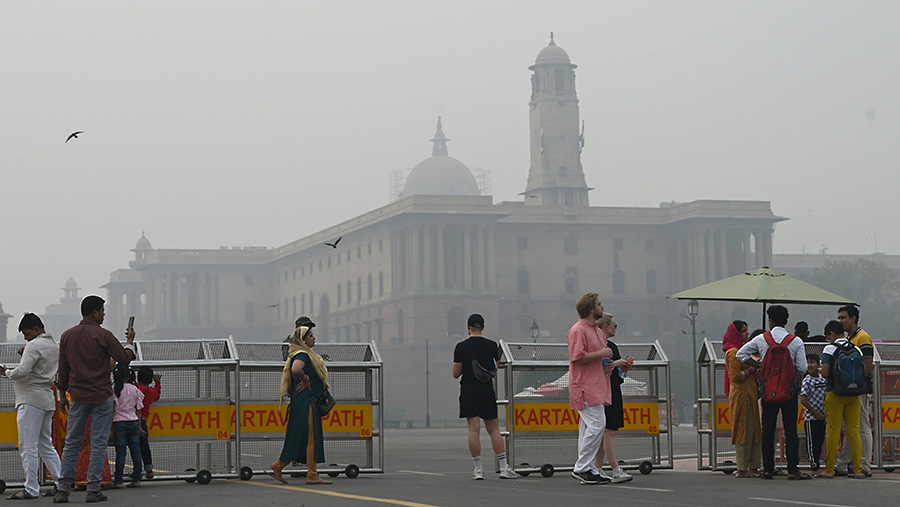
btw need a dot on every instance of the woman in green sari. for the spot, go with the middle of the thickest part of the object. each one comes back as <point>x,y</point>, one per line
<point>303,379</point>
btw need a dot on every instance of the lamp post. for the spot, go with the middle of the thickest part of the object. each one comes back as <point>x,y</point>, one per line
<point>427,389</point>
<point>693,310</point>
<point>535,332</point>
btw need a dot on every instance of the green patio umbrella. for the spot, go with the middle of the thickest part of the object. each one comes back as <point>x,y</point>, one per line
<point>765,286</point>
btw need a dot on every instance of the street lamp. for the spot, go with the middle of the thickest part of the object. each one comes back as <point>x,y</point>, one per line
<point>693,310</point>
<point>535,332</point>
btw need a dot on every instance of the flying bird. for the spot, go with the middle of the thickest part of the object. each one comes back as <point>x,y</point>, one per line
<point>74,134</point>
<point>335,244</point>
<point>273,306</point>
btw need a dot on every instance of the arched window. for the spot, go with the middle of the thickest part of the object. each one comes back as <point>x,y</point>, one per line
<point>619,283</point>
<point>651,283</point>
<point>522,283</point>
<point>571,282</point>
<point>456,322</point>
<point>559,80</point>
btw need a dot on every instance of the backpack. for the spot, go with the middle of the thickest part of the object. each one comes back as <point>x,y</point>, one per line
<point>777,374</point>
<point>849,377</point>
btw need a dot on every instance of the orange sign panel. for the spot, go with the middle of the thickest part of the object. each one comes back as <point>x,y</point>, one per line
<point>723,416</point>
<point>561,417</point>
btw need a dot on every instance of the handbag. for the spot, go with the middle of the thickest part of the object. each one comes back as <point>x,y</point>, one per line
<point>325,402</point>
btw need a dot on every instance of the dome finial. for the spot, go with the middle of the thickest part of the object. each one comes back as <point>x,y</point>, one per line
<point>440,141</point>
<point>552,43</point>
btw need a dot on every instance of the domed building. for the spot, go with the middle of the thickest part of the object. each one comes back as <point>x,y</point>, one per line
<point>440,174</point>
<point>4,322</point>
<point>410,272</point>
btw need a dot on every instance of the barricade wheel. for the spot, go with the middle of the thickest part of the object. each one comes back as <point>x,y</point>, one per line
<point>333,474</point>
<point>887,469</point>
<point>190,480</point>
<point>246,473</point>
<point>2,486</point>
<point>352,471</point>
<point>646,467</point>
<point>547,470</point>
<point>203,476</point>
<point>524,474</point>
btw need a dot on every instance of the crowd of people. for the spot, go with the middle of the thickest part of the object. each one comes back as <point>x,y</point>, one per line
<point>66,406</point>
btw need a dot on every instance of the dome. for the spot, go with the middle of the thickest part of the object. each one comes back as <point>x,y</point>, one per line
<point>71,284</point>
<point>143,243</point>
<point>552,54</point>
<point>440,174</point>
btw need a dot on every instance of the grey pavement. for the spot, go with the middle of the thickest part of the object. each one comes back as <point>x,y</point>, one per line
<point>431,467</point>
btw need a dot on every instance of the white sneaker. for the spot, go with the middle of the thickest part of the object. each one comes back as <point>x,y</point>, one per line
<point>508,474</point>
<point>620,476</point>
<point>478,475</point>
<point>600,473</point>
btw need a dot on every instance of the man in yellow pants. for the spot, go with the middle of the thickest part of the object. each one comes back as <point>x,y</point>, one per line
<point>838,407</point>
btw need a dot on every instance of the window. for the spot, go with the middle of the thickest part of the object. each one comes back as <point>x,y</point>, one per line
<point>359,252</point>
<point>339,294</point>
<point>370,249</point>
<point>369,287</point>
<point>302,303</point>
<point>338,259</point>
<point>651,245</point>
<point>310,303</point>
<point>619,283</point>
<point>295,273</point>
<point>348,292</point>
<point>302,271</point>
<point>248,281</point>
<point>380,283</point>
<point>522,283</point>
<point>358,290</point>
<point>618,244</point>
<point>651,283</point>
<point>380,245</point>
<point>571,246</point>
<point>523,243</point>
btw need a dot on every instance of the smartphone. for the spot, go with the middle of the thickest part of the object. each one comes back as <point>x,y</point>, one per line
<point>130,323</point>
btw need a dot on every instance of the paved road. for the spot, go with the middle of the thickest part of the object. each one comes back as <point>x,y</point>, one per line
<point>432,468</point>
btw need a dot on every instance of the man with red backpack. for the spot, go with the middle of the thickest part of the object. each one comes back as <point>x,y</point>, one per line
<point>782,363</point>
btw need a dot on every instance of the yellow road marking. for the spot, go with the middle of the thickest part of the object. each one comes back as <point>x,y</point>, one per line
<point>340,495</point>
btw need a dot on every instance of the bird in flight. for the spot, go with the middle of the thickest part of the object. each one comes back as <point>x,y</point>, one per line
<point>273,306</point>
<point>335,244</point>
<point>74,134</point>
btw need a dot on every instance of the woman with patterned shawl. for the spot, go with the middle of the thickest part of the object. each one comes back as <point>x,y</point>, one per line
<point>303,379</point>
<point>746,431</point>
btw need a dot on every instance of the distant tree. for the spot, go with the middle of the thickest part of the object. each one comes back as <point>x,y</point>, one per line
<point>871,284</point>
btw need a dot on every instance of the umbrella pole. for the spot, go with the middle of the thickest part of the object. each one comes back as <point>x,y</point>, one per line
<point>764,315</point>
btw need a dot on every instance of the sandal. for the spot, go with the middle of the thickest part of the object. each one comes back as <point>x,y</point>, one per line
<point>779,471</point>
<point>767,476</point>
<point>21,495</point>
<point>857,476</point>
<point>799,477</point>
<point>50,492</point>
<point>825,475</point>
<point>746,475</point>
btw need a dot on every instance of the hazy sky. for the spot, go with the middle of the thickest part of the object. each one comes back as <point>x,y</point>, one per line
<point>257,123</point>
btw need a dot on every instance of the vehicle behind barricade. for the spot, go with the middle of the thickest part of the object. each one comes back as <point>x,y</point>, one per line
<point>353,428</point>
<point>11,472</point>
<point>886,401</point>
<point>192,427</point>
<point>542,429</point>
<point>714,449</point>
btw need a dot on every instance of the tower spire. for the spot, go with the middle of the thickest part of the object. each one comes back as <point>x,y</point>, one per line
<point>440,141</point>
<point>552,43</point>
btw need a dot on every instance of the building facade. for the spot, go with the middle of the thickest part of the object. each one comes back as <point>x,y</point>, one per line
<point>413,270</point>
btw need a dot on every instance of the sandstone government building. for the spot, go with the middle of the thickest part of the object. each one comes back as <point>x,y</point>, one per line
<point>412,270</point>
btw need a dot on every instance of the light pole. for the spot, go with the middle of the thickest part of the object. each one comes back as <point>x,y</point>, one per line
<point>427,389</point>
<point>535,332</point>
<point>693,310</point>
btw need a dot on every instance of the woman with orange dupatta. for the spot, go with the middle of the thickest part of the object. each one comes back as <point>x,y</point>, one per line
<point>740,385</point>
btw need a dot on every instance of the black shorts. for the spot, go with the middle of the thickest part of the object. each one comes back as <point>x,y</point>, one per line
<point>478,403</point>
<point>615,413</point>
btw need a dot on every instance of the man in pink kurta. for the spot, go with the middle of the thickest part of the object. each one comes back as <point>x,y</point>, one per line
<point>589,388</point>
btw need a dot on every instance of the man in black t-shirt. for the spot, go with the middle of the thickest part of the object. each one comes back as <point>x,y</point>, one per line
<point>477,399</point>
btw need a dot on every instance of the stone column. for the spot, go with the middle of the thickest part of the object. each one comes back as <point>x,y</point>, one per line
<point>467,258</point>
<point>723,254</point>
<point>745,244</point>
<point>767,247</point>
<point>477,258</point>
<point>490,282</point>
<point>440,257</point>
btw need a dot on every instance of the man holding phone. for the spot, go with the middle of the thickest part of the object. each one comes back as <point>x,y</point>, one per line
<point>84,369</point>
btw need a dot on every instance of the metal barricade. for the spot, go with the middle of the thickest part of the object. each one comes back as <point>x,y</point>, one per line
<point>193,434</point>
<point>11,472</point>
<point>542,429</point>
<point>886,401</point>
<point>714,449</point>
<point>353,428</point>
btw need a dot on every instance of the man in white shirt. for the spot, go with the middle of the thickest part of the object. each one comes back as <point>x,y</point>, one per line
<point>35,403</point>
<point>778,317</point>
